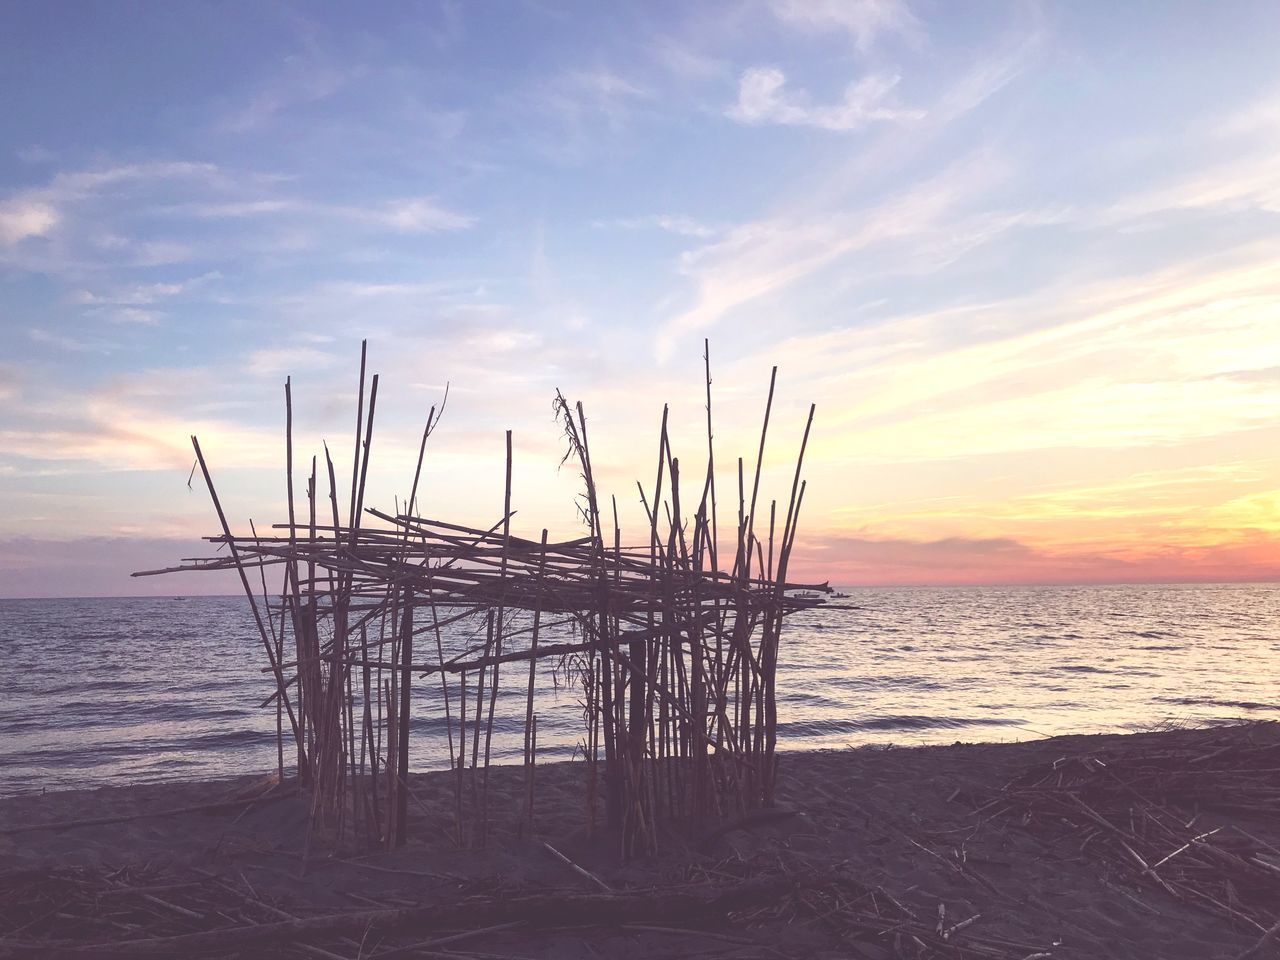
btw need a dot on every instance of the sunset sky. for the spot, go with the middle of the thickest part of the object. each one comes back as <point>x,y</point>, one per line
<point>1025,258</point>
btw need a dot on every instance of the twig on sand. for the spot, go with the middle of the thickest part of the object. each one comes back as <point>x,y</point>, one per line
<point>222,806</point>
<point>1263,941</point>
<point>442,941</point>
<point>536,911</point>
<point>582,872</point>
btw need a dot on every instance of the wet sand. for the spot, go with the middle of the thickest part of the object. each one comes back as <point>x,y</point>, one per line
<point>875,853</point>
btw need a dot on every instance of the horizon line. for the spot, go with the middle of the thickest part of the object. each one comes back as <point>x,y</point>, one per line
<point>921,585</point>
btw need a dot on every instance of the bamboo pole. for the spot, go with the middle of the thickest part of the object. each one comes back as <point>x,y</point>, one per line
<point>530,736</point>
<point>497,650</point>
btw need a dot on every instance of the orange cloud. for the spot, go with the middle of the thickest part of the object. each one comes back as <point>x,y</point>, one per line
<point>851,560</point>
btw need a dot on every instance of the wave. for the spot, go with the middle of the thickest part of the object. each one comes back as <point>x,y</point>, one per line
<point>809,728</point>
<point>104,689</point>
<point>1215,702</point>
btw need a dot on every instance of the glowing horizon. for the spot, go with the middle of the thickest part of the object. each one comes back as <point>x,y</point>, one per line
<point>1024,261</point>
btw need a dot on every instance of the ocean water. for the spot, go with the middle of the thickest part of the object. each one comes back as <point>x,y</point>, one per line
<point>110,691</point>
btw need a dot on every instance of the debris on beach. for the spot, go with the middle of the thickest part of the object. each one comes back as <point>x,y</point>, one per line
<point>1175,814</point>
<point>675,643</point>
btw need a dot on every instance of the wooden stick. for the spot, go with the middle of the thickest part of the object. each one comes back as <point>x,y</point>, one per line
<point>580,871</point>
<point>541,911</point>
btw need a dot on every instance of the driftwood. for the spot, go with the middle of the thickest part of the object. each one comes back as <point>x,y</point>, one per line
<point>1148,808</point>
<point>748,902</point>
<point>539,911</point>
<point>221,806</point>
<point>675,639</point>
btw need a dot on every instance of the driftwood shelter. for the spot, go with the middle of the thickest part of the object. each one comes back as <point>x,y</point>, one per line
<point>674,642</point>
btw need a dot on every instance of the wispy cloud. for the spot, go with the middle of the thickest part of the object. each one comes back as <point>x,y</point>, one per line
<point>685,61</point>
<point>401,215</point>
<point>68,211</point>
<point>671,223</point>
<point>847,559</point>
<point>415,215</point>
<point>865,21</point>
<point>35,154</point>
<point>582,95</point>
<point>303,79</point>
<point>766,256</point>
<point>1248,182</point>
<point>21,219</point>
<point>579,110</point>
<point>1128,363</point>
<point>135,315</point>
<point>80,183</point>
<point>233,209</point>
<point>71,344</point>
<point>144,294</point>
<point>10,381</point>
<point>278,360</point>
<point>763,98</point>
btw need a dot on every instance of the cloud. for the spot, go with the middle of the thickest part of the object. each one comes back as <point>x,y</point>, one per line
<point>144,294</point>
<point>69,208</point>
<point>763,98</point>
<point>402,215</point>
<point>304,79</point>
<point>685,61</point>
<point>849,559</point>
<point>71,344</point>
<point>277,360</point>
<point>680,225</point>
<point>134,315</point>
<point>137,423</point>
<point>233,209</point>
<point>1252,375</point>
<point>105,220</point>
<point>10,381</point>
<point>364,290</point>
<point>79,183</point>
<point>1240,184</point>
<point>865,21</point>
<point>1261,117</point>
<point>21,219</point>
<point>578,111</point>
<point>581,96</point>
<point>766,256</point>
<point>107,446</point>
<point>989,75</point>
<point>416,215</point>
<point>35,154</point>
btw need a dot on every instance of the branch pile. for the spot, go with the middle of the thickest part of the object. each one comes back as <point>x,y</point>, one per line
<point>140,912</point>
<point>1172,814</point>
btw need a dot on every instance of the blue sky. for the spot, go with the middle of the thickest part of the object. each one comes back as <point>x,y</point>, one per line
<point>1022,256</point>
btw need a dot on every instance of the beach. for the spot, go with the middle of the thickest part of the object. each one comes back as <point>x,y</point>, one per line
<point>1143,846</point>
<point>753,480</point>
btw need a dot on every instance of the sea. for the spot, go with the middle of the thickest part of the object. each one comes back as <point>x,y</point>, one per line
<point>111,691</point>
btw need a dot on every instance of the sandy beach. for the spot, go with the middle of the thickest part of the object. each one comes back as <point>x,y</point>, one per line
<point>1146,846</point>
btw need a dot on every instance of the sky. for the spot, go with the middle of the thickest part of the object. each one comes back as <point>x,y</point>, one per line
<point>1024,258</point>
